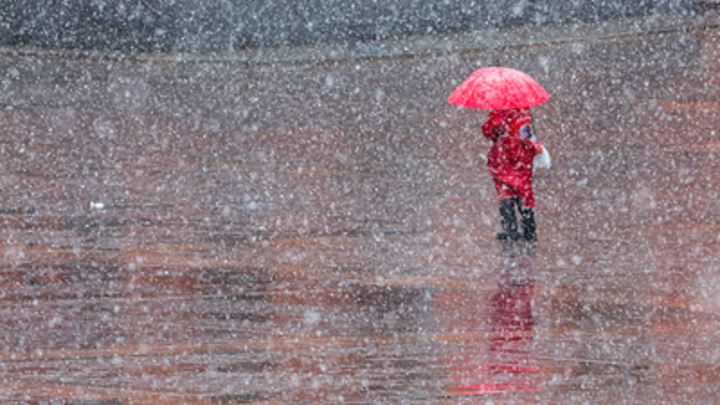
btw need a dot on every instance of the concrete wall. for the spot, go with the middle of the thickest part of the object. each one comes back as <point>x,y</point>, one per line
<point>224,25</point>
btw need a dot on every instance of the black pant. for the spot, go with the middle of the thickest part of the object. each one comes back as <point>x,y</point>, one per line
<point>509,220</point>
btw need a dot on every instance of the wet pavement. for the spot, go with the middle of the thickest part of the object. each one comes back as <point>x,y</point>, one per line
<point>322,231</point>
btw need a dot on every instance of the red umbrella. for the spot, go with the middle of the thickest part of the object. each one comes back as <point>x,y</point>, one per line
<point>498,88</point>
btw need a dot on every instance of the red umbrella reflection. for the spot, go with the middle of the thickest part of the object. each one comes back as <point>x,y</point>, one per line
<point>508,366</point>
<point>498,88</point>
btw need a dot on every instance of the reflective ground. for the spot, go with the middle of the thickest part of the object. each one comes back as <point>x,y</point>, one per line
<point>181,231</point>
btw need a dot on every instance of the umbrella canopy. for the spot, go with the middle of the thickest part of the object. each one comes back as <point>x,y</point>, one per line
<point>498,88</point>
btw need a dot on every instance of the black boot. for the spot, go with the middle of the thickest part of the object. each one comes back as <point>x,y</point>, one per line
<point>509,221</point>
<point>527,218</point>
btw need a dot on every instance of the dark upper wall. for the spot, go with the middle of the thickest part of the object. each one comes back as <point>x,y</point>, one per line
<point>221,25</point>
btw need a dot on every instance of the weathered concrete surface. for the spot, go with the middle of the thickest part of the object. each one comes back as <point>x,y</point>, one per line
<point>190,232</point>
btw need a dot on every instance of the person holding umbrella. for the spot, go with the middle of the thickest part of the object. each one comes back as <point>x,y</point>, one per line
<point>515,150</point>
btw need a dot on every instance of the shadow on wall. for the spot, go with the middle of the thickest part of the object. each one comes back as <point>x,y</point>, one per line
<point>162,26</point>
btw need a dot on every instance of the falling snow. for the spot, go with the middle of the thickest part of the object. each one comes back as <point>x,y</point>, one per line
<point>275,203</point>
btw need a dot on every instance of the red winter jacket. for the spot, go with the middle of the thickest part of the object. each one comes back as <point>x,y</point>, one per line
<point>510,160</point>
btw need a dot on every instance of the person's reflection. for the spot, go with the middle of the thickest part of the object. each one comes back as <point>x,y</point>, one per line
<point>508,366</point>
